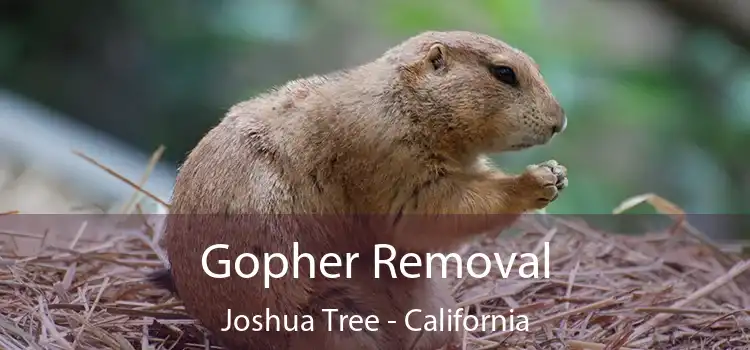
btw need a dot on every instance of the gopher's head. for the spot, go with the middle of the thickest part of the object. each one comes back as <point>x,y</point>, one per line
<point>478,89</point>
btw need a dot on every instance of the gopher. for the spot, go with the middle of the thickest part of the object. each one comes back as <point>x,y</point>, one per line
<point>394,151</point>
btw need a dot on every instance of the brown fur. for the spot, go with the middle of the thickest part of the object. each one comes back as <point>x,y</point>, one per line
<point>404,136</point>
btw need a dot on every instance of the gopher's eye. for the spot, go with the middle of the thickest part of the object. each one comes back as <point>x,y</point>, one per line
<point>504,74</point>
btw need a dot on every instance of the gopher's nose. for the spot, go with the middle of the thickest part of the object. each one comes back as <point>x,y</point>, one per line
<point>560,127</point>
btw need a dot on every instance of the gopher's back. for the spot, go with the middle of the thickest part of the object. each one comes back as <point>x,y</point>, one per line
<point>253,182</point>
<point>221,193</point>
<point>315,145</point>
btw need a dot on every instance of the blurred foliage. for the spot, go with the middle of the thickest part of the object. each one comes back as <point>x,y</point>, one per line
<point>153,72</point>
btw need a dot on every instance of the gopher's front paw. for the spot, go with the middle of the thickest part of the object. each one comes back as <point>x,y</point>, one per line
<point>541,183</point>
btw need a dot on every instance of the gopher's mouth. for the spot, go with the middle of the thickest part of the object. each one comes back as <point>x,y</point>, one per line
<point>524,141</point>
<point>520,146</point>
<point>529,142</point>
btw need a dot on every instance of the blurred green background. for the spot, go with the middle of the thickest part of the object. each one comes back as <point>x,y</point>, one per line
<point>657,92</point>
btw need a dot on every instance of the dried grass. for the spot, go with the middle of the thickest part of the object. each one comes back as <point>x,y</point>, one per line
<point>662,290</point>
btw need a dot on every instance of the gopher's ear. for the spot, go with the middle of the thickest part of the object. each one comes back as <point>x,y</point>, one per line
<point>436,57</point>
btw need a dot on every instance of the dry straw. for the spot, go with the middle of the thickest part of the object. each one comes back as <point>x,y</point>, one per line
<point>660,290</point>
